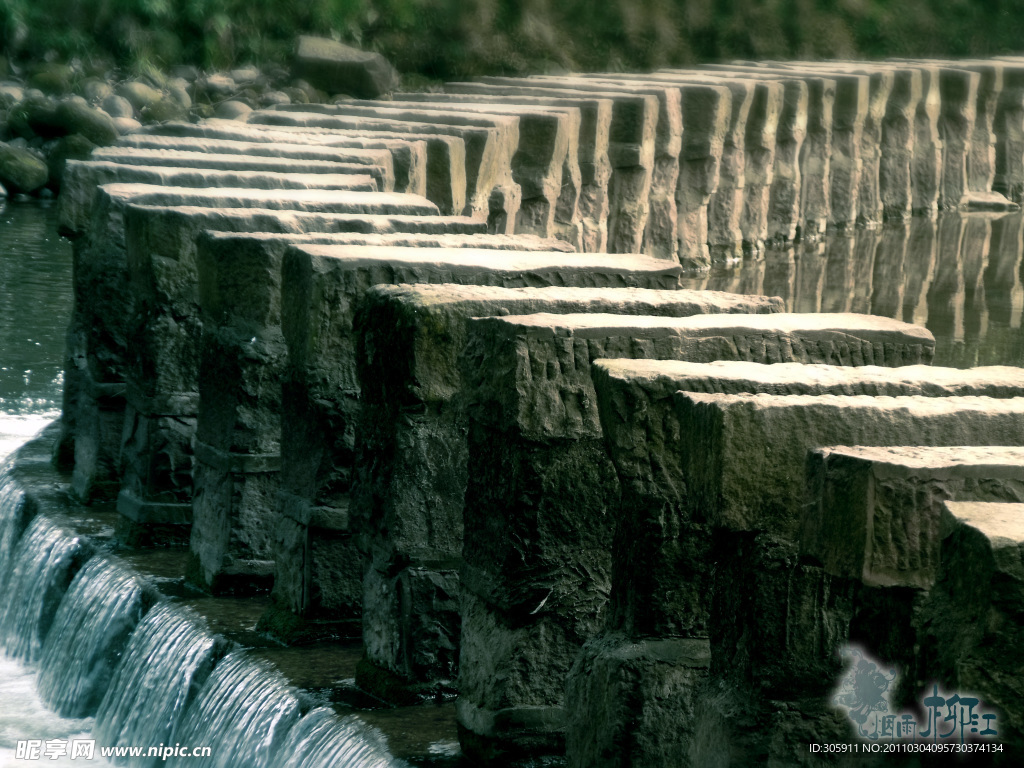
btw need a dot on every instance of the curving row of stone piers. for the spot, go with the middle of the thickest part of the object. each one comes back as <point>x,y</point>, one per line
<point>424,369</point>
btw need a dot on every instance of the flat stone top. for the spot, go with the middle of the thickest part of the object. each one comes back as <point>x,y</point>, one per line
<point>311,180</point>
<point>1002,523</point>
<point>443,295</point>
<point>404,112</point>
<point>147,143</point>
<point>599,324</point>
<point>293,221</point>
<point>915,405</point>
<point>149,194</point>
<point>894,460</point>
<point>990,381</point>
<point>513,261</point>
<point>404,239</point>
<point>192,159</point>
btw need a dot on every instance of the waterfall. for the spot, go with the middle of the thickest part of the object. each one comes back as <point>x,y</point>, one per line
<point>89,631</point>
<point>244,712</point>
<point>169,656</point>
<point>12,506</point>
<point>323,740</point>
<point>41,567</point>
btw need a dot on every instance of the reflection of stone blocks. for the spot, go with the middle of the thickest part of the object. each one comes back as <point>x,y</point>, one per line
<point>874,513</point>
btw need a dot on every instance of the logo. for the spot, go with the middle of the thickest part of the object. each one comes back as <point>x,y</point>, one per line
<point>864,694</point>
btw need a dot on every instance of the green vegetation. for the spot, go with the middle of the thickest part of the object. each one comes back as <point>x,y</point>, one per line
<point>448,39</point>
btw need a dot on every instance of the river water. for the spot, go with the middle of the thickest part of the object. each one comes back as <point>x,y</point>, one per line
<point>959,276</point>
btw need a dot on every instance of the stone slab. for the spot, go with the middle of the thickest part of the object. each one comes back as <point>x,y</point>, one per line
<point>81,178</point>
<point>875,514</point>
<point>382,171</point>
<point>408,492</point>
<point>409,156</point>
<point>488,144</point>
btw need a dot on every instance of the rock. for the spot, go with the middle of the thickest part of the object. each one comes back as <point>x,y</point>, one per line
<point>35,116</point>
<point>164,110</point>
<point>218,85</point>
<point>10,94</point>
<point>270,98</point>
<point>201,112</point>
<point>53,78</point>
<point>3,192</point>
<point>95,90</point>
<point>334,67</point>
<point>180,95</point>
<point>232,110</point>
<point>139,94</point>
<point>21,170</point>
<point>94,124</point>
<point>245,75</point>
<point>73,147</point>
<point>297,95</point>
<point>126,125</point>
<point>117,106</point>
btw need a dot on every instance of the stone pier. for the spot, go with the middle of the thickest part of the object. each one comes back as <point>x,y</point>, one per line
<point>411,471</point>
<point>320,408</point>
<point>541,495</point>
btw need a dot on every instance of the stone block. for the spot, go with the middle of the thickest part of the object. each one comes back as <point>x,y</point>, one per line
<point>542,493</point>
<point>545,164</point>
<point>488,144</point>
<point>721,474</point>
<point>972,616</point>
<point>631,148</point>
<point>338,68</point>
<point>408,156</point>
<point>594,163</point>
<point>82,177</point>
<point>382,170</point>
<point>240,368</point>
<point>874,514</point>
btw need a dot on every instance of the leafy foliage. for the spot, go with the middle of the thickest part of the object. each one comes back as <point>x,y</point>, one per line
<point>459,38</point>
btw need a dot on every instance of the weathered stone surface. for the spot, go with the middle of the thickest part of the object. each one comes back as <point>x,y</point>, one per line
<point>972,616</point>
<point>816,154</point>
<point>411,479</point>
<point>409,156</point>
<point>958,89</point>
<point>545,164</point>
<point>721,479</point>
<point>95,124</point>
<point>588,122</point>
<point>541,496</point>
<point>634,702</point>
<point>631,149</point>
<point>81,178</point>
<point>1009,131</point>
<point>20,170</point>
<point>338,68</point>
<point>241,365</point>
<point>382,172</point>
<point>594,162</point>
<point>661,230</point>
<point>488,144</point>
<point>874,514</point>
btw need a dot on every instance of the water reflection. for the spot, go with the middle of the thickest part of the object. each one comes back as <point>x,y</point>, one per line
<point>959,276</point>
<point>35,304</point>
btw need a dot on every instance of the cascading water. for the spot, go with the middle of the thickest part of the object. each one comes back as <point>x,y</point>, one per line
<point>42,565</point>
<point>244,710</point>
<point>323,740</point>
<point>169,656</point>
<point>89,632</point>
<point>12,502</point>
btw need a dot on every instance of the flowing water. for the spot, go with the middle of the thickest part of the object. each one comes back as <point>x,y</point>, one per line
<point>82,633</point>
